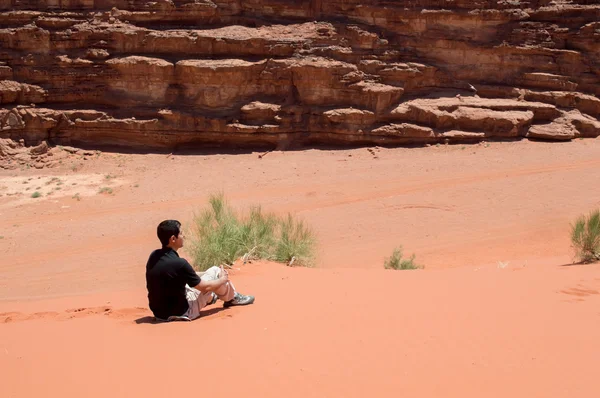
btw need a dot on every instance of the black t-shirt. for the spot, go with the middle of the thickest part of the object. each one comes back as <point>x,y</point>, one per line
<point>166,277</point>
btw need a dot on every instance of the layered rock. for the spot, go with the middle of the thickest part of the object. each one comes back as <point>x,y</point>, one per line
<point>168,73</point>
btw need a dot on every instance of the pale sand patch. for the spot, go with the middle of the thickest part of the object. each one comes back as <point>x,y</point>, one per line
<point>28,189</point>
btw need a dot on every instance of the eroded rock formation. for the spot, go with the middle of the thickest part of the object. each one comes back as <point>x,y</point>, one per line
<point>168,73</point>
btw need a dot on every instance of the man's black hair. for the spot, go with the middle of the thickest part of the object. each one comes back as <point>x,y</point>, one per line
<point>166,229</point>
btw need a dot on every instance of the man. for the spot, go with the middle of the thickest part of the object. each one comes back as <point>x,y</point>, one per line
<point>175,290</point>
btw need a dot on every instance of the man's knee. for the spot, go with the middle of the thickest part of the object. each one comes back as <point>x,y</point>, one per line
<point>212,273</point>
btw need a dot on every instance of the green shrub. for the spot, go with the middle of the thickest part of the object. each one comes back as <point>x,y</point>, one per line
<point>219,235</point>
<point>36,194</point>
<point>295,242</point>
<point>215,235</point>
<point>398,263</point>
<point>585,237</point>
<point>257,233</point>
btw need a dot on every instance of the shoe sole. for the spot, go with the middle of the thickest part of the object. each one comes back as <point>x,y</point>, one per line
<point>226,305</point>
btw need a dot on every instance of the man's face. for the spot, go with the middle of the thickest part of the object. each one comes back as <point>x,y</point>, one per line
<point>177,242</point>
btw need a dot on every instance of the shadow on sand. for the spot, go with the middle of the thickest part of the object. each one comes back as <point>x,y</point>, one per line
<point>203,314</point>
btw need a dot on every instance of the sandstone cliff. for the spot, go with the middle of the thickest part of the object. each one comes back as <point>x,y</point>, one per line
<point>168,73</point>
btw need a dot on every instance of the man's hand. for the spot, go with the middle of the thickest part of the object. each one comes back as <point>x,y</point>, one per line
<point>214,284</point>
<point>224,278</point>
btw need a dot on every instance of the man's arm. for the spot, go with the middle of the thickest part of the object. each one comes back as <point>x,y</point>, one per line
<point>193,279</point>
<point>211,286</point>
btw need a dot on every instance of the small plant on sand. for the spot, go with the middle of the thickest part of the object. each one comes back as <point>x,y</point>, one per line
<point>76,196</point>
<point>216,235</point>
<point>106,190</point>
<point>398,263</point>
<point>257,233</point>
<point>219,235</point>
<point>36,194</point>
<point>585,237</point>
<point>296,242</point>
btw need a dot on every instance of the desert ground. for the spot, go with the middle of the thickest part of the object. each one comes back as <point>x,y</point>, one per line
<point>499,310</point>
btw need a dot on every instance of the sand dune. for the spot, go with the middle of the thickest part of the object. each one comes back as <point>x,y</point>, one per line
<point>497,311</point>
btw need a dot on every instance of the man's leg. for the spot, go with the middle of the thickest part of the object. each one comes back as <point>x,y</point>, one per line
<point>225,292</point>
<point>196,301</point>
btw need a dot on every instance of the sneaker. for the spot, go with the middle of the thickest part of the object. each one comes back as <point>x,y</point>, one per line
<point>213,300</point>
<point>239,299</point>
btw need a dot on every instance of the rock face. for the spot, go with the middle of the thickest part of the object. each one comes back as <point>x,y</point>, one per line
<point>173,73</point>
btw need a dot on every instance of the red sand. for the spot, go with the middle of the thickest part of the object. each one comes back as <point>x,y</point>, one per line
<point>495,313</point>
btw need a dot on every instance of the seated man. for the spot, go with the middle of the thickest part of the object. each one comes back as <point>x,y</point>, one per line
<point>175,289</point>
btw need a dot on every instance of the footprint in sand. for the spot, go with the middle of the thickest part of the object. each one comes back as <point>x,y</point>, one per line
<point>74,313</point>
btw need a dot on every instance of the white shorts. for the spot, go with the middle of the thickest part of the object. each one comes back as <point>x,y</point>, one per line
<point>196,300</point>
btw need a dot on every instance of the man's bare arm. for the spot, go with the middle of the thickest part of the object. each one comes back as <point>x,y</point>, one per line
<point>211,286</point>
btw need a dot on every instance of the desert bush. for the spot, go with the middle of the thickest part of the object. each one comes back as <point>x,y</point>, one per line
<point>296,242</point>
<point>395,261</point>
<point>257,233</point>
<point>585,237</point>
<point>215,235</point>
<point>36,194</point>
<point>218,235</point>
